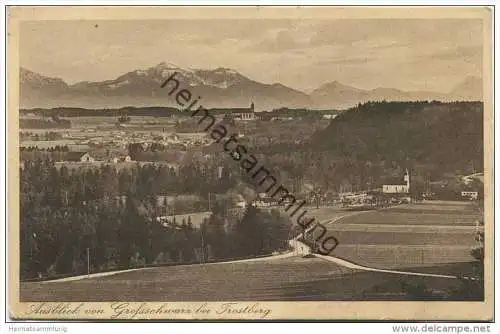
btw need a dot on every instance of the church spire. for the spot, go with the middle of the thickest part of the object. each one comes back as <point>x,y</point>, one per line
<point>407,178</point>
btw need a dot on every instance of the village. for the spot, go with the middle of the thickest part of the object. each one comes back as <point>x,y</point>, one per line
<point>127,141</point>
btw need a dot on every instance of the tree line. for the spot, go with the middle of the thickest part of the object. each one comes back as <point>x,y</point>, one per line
<point>40,123</point>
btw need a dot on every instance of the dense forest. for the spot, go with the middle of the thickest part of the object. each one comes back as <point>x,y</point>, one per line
<point>445,137</point>
<point>54,123</point>
<point>114,214</point>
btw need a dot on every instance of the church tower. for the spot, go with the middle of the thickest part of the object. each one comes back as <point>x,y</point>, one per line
<point>407,179</point>
<point>252,107</point>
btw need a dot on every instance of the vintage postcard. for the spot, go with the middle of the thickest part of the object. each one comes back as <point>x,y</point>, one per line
<point>253,163</point>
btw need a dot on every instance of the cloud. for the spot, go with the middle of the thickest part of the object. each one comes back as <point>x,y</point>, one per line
<point>472,54</point>
<point>388,45</point>
<point>461,52</point>
<point>347,61</point>
<point>212,32</point>
<point>278,41</point>
<point>398,31</point>
<point>338,32</point>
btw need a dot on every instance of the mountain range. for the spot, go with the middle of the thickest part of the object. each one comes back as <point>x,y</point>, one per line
<point>221,87</point>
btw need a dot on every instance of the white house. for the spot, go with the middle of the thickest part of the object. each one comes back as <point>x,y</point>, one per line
<point>79,157</point>
<point>398,188</point>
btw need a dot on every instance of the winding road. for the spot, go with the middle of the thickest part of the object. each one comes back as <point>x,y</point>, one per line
<point>298,249</point>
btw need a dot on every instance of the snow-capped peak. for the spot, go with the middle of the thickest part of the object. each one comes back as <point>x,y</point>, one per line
<point>220,77</point>
<point>165,65</point>
<point>225,70</point>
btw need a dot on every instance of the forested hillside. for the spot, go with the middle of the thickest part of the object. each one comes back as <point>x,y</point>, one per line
<point>432,136</point>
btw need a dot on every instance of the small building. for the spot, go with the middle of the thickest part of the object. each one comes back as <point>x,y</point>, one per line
<point>398,187</point>
<point>79,157</point>
<point>116,160</point>
<point>241,204</point>
<point>471,195</point>
<point>263,200</point>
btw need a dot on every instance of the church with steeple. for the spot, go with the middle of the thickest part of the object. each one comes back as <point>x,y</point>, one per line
<point>247,115</point>
<point>401,187</point>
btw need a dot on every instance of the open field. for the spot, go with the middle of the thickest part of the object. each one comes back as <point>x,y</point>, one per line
<point>324,214</point>
<point>412,235</point>
<point>256,280</point>
<point>404,238</point>
<point>417,214</point>
<point>399,256</point>
<point>285,279</point>
<point>433,248</point>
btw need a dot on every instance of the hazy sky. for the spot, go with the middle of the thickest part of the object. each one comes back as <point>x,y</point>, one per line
<point>406,54</point>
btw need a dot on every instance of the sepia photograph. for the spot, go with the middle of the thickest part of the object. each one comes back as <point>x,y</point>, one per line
<point>251,163</point>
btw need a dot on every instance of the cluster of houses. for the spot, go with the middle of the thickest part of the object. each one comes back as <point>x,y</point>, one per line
<point>399,190</point>
<point>395,191</point>
<point>468,180</point>
<point>249,114</point>
<point>85,157</point>
<point>470,195</point>
<point>120,139</point>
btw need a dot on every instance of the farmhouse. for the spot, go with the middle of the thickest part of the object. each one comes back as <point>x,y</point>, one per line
<point>398,187</point>
<point>79,157</point>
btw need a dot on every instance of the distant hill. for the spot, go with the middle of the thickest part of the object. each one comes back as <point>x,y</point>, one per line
<point>38,90</point>
<point>347,96</point>
<point>218,88</point>
<point>447,136</point>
